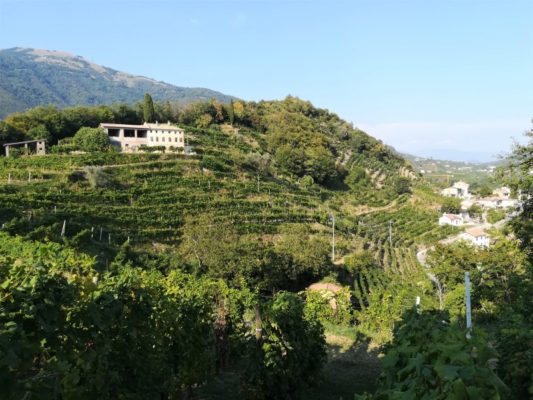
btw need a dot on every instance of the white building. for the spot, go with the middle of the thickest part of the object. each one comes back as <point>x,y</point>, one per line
<point>459,189</point>
<point>502,192</point>
<point>477,236</point>
<point>130,137</point>
<point>450,192</point>
<point>451,219</point>
<point>489,202</point>
<point>509,203</point>
<point>462,189</point>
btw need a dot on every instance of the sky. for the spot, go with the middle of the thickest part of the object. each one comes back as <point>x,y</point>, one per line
<point>446,79</point>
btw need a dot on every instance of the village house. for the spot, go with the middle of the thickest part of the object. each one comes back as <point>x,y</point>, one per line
<point>459,189</point>
<point>477,236</point>
<point>129,138</point>
<point>451,219</point>
<point>502,192</point>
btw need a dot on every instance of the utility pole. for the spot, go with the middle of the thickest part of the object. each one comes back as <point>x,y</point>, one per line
<point>468,306</point>
<point>333,238</point>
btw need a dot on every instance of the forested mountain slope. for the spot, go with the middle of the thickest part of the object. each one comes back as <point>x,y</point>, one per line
<point>33,77</point>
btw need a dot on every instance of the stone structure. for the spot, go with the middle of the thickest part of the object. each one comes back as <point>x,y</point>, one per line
<point>39,146</point>
<point>130,137</point>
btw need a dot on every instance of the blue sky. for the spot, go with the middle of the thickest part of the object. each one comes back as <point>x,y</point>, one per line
<point>441,78</point>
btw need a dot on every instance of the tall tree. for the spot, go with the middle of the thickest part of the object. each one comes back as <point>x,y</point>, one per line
<point>231,113</point>
<point>518,175</point>
<point>148,108</point>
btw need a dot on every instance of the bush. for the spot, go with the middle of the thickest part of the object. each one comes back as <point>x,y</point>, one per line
<point>99,178</point>
<point>290,354</point>
<point>431,358</point>
<point>92,139</point>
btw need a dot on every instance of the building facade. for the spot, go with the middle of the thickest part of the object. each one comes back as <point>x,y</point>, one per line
<point>129,138</point>
<point>451,219</point>
<point>459,189</point>
<point>477,236</point>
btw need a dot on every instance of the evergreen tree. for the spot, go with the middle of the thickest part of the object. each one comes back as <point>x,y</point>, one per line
<point>231,113</point>
<point>148,108</point>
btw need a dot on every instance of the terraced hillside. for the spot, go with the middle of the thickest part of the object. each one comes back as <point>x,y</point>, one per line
<point>240,178</point>
<point>254,207</point>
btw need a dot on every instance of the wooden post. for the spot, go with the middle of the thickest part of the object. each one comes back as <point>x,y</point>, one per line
<point>101,233</point>
<point>64,228</point>
<point>258,323</point>
<point>9,178</point>
<point>333,238</point>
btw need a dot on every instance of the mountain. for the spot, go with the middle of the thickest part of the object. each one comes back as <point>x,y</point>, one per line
<point>32,77</point>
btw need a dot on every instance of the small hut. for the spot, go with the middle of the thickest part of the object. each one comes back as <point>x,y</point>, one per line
<point>38,146</point>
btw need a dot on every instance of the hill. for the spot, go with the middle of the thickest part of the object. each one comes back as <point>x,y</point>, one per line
<point>209,255</point>
<point>444,172</point>
<point>32,77</point>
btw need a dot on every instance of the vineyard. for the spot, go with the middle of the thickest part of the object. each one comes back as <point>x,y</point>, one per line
<point>214,252</point>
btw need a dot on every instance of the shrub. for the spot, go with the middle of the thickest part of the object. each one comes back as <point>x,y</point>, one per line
<point>431,358</point>
<point>92,139</point>
<point>290,353</point>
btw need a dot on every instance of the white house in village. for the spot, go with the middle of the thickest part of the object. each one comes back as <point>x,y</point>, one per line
<point>451,219</point>
<point>489,202</point>
<point>130,137</point>
<point>502,192</point>
<point>459,189</point>
<point>477,236</point>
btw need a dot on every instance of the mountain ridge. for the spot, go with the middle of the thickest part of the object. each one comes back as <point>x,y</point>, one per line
<point>33,77</point>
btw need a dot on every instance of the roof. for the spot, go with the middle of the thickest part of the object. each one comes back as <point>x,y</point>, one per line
<point>167,126</point>
<point>453,216</point>
<point>163,126</point>
<point>25,142</point>
<point>112,125</point>
<point>476,232</point>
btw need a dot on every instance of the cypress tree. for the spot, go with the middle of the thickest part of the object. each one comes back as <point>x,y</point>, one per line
<point>148,108</point>
<point>231,112</point>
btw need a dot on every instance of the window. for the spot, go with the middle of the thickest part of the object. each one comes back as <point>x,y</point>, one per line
<point>163,139</point>
<point>113,132</point>
<point>129,133</point>
<point>141,134</point>
<point>151,139</point>
<point>157,139</point>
